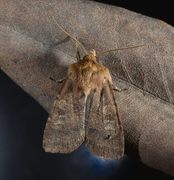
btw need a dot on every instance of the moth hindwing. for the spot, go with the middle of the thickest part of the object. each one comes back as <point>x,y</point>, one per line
<point>85,111</point>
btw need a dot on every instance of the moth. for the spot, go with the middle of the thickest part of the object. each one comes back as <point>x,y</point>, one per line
<point>85,112</point>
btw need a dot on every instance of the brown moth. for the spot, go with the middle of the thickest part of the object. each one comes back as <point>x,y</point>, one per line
<point>85,111</point>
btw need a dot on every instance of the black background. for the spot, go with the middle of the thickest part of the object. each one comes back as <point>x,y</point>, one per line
<point>22,121</point>
<point>161,9</point>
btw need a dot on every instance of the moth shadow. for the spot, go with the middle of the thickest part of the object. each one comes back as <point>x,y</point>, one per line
<point>56,59</point>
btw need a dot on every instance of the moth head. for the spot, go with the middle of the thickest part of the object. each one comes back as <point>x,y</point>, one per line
<point>92,52</point>
<point>91,56</point>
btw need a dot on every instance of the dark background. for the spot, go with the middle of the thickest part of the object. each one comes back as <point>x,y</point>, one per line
<point>161,9</point>
<point>22,122</point>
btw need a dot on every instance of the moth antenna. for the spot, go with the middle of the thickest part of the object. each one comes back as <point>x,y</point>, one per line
<point>118,49</point>
<point>67,33</point>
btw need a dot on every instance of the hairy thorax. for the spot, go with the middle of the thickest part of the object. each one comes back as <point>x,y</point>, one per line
<point>88,75</point>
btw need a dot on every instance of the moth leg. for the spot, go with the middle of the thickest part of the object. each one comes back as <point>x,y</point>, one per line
<point>115,88</point>
<point>61,80</point>
<point>57,81</point>
<point>78,55</point>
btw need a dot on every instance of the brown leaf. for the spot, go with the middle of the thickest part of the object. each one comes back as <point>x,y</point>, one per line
<point>35,53</point>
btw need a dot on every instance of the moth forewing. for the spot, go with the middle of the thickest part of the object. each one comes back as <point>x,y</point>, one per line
<point>104,133</point>
<point>65,131</point>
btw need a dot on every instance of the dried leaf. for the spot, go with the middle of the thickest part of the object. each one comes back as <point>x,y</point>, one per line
<point>35,53</point>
